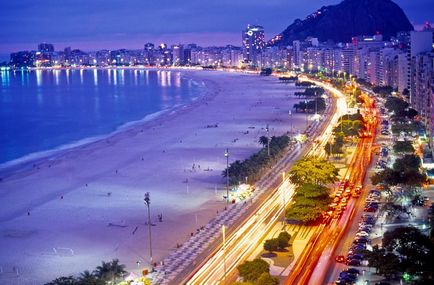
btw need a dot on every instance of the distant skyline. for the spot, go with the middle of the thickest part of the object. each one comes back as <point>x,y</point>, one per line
<point>97,24</point>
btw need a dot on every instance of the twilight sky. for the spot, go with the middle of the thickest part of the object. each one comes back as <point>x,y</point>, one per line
<point>96,24</point>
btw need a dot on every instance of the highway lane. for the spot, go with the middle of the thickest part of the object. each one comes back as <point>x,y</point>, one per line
<point>321,259</point>
<point>249,236</point>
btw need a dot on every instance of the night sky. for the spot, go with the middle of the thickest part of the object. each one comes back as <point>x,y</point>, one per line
<point>96,24</point>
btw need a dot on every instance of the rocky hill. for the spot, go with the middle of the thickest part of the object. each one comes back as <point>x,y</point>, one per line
<point>341,22</point>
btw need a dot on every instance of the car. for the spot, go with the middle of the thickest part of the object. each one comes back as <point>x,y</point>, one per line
<point>344,200</point>
<point>355,195</point>
<point>370,209</point>
<point>373,199</point>
<point>354,251</point>
<point>358,256</point>
<point>362,234</point>
<point>365,229</point>
<point>358,246</point>
<point>368,219</point>
<point>333,206</point>
<point>347,276</point>
<point>368,222</point>
<point>362,240</point>
<point>336,200</point>
<point>354,262</point>
<point>353,270</point>
<point>340,258</point>
<point>365,224</point>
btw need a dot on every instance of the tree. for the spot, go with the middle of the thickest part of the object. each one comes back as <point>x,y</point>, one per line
<point>263,140</point>
<point>383,90</point>
<point>110,271</point>
<point>336,147</point>
<point>350,128</point>
<point>65,280</point>
<point>267,279</point>
<point>392,177</point>
<point>252,270</point>
<point>403,147</point>
<point>403,127</point>
<point>271,245</point>
<point>313,170</point>
<point>414,248</point>
<point>397,106</point>
<point>407,163</point>
<point>254,166</point>
<point>387,176</point>
<point>375,257</point>
<point>283,239</point>
<point>88,278</point>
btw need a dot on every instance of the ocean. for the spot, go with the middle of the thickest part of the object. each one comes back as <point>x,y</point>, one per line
<point>47,110</point>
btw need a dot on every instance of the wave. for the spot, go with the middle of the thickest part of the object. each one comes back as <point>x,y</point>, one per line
<point>53,153</point>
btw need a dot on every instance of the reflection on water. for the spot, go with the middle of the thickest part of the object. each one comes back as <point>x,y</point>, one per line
<point>39,77</point>
<point>95,77</point>
<point>43,109</point>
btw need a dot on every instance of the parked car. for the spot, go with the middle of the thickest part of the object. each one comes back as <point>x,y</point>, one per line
<point>347,276</point>
<point>340,258</point>
<point>362,234</point>
<point>358,256</point>
<point>353,270</point>
<point>354,262</point>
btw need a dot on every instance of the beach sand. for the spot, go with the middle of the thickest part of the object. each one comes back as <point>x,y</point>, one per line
<point>75,209</point>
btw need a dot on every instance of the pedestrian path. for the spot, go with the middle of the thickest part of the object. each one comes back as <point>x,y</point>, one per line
<point>185,256</point>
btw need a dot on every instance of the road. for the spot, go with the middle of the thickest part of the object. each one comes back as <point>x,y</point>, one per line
<point>249,236</point>
<point>317,260</point>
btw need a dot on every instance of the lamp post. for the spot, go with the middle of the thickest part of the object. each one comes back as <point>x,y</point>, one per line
<point>290,118</point>
<point>227,175</point>
<point>283,198</point>
<point>268,140</point>
<point>307,118</point>
<point>148,204</point>
<point>224,253</point>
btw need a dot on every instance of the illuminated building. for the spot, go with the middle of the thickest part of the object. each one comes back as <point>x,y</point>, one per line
<point>253,44</point>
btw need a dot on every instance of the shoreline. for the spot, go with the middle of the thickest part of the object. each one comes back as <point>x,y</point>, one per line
<point>43,158</point>
<point>98,190</point>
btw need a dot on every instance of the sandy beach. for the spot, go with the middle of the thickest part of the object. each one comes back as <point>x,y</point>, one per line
<point>74,209</point>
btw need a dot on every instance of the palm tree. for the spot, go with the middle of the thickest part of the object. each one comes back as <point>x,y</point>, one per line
<point>263,140</point>
<point>104,271</point>
<point>110,271</point>
<point>65,280</point>
<point>117,269</point>
<point>89,278</point>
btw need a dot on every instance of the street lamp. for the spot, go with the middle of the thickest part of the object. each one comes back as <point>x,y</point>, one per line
<point>283,197</point>
<point>290,117</point>
<point>224,253</point>
<point>227,175</point>
<point>268,140</point>
<point>148,204</point>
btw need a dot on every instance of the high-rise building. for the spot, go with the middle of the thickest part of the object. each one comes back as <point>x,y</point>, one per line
<point>178,54</point>
<point>44,47</point>
<point>420,42</point>
<point>22,59</point>
<point>149,54</point>
<point>297,54</point>
<point>253,44</point>
<point>424,90</point>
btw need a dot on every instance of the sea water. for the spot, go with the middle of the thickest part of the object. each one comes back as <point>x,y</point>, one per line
<point>43,110</point>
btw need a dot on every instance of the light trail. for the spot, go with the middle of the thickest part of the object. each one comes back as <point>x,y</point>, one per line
<point>315,261</point>
<point>244,241</point>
